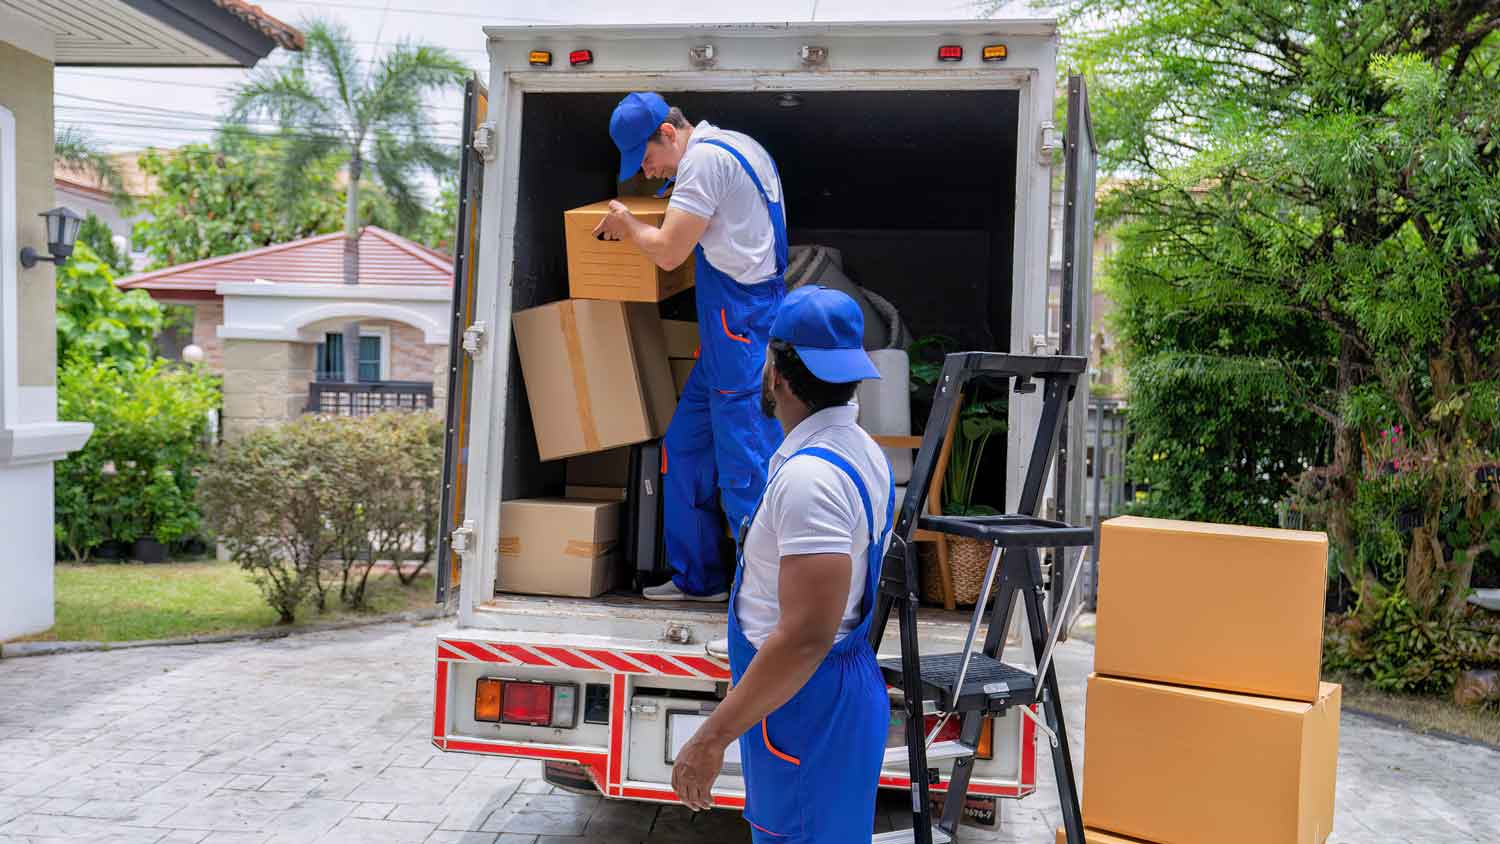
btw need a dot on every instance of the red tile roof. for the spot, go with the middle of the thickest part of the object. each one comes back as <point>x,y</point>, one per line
<point>286,37</point>
<point>384,258</point>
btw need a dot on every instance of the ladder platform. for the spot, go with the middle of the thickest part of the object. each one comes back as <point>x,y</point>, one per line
<point>939,751</point>
<point>1011,531</point>
<point>905,836</point>
<point>990,685</point>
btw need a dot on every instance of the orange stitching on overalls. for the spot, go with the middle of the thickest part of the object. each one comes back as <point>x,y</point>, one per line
<point>724,321</point>
<point>766,736</point>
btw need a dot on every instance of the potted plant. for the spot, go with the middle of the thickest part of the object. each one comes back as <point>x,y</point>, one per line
<point>166,516</point>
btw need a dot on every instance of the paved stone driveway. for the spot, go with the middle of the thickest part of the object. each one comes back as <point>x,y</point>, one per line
<point>324,738</point>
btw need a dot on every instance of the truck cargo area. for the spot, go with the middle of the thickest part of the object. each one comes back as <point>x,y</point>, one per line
<point>917,189</point>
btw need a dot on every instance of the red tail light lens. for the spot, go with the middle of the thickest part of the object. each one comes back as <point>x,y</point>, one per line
<point>581,57</point>
<point>527,703</point>
<point>950,53</point>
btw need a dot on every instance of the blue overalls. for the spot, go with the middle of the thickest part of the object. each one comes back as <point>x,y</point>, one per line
<point>812,767</point>
<point>719,442</point>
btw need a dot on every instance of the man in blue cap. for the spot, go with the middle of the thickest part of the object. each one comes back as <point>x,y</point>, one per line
<point>808,704</point>
<point>726,210</point>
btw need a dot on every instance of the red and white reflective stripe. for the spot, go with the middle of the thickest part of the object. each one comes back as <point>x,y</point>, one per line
<point>587,659</point>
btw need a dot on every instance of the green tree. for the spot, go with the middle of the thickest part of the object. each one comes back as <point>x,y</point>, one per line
<point>1317,185</point>
<point>327,102</point>
<point>439,224</point>
<point>101,240</point>
<point>217,199</point>
<point>96,320</point>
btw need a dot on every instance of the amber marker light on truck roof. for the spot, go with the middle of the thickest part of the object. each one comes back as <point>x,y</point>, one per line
<point>995,53</point>
<point>541,58</point>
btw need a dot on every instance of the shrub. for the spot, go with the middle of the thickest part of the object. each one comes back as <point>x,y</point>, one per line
<point>1400,649</point>
<point>298,502</point>
<point>136,476</point>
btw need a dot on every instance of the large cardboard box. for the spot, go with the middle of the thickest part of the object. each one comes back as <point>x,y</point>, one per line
<point>1225,607</point>
<point>616,269</point>
<point>1094,836</point>
<point>595,493</point>
<point>682,338</point>
<point>550,546</point>
<point>1175,765</point>
<point>596,375</point>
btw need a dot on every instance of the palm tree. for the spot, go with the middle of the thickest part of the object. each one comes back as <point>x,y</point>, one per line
<point>327,103</point>
<point>78,149</point>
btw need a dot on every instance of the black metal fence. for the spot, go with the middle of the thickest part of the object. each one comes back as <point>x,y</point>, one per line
<point>366,397</point>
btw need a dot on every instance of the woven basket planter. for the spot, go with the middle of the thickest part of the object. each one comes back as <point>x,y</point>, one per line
<point>968,559</point>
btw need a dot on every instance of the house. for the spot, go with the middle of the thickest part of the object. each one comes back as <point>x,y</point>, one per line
<point>35,38</point>
<point>270,321</point>
<point>83,191</point>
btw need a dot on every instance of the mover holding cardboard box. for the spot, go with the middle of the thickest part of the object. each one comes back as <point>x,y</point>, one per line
<point>616,269</point>
<point>1174,765</point>
<point>549,546</point>
<point>1224,607</point>
<point>596,375</point>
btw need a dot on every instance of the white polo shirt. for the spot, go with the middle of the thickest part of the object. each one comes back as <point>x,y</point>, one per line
<point>711,184</point>
<point>812,507</point>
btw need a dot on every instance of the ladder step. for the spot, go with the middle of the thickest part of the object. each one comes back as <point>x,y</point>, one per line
<point>1011,530</point>
<point>990,685</point>
<point>939,751</point>
<point>902,836</point>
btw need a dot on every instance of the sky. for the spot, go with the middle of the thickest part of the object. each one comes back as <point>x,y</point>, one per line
<point>131,108</point>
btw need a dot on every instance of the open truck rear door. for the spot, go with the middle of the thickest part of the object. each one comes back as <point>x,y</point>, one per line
<point>466,338</point>
<point>1075,334</point>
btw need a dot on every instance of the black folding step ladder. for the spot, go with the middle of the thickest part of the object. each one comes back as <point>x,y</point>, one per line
<point>970,684</point>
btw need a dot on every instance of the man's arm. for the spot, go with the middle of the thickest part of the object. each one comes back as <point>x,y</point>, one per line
<point>667,246</point>
<point>812,589</point>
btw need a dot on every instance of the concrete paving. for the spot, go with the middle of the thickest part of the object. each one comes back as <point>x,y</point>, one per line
<point>324,738</point>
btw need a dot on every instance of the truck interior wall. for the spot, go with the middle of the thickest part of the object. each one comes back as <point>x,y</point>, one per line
<point>917,188</point>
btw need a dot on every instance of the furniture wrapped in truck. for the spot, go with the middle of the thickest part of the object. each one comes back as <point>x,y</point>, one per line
<point>923,152</point>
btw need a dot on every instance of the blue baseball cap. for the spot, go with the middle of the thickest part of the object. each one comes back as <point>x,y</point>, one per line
<point>633,123</point>
<point>828,331</point>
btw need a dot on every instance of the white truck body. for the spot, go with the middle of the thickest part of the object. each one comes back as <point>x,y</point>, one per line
<point>640,675</point>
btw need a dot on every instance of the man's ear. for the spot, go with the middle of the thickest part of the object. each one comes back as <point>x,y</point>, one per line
<point>668,133</point>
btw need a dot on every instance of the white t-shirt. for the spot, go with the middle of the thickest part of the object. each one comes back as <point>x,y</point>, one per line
<point>712,184</point>
<point>812,507</point>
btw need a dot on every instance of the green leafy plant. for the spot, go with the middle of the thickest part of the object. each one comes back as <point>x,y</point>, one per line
<point>136,475</point>
<point>101,239</point>
<point>98,321</point>
<point>979,419</point>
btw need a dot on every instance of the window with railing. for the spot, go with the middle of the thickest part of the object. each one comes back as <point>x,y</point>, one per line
<point>329,357</point>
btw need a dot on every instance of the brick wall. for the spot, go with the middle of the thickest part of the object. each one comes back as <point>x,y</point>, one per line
<point>411,356</point>
<point>265,382</point>
<point>207,318</point>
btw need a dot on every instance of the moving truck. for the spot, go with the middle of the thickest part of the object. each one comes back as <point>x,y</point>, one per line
<point>923,152</point>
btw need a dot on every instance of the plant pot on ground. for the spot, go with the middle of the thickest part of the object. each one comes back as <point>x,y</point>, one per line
<point>110,549</point>
<point>148,550</point>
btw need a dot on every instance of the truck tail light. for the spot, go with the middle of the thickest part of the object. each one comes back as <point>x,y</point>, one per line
<point>984,749</point>
<point>995,53</point>
<point>527,703</point>
<point>487,700</point>
<point>564,706</point>
<point>581,57</point>
<point>950,53</point>
<point>541,58</point>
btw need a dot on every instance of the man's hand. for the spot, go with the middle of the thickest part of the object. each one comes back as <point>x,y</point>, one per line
<point>698,765</point>
<point>616,224</point>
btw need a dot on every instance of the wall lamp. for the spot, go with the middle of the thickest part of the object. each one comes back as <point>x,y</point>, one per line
<point>62,232</point>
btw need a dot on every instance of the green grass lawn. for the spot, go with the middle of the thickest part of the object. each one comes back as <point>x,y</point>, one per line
<point>119,602</point>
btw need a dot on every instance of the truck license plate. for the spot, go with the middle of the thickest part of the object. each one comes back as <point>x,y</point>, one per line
<point>682,725</point>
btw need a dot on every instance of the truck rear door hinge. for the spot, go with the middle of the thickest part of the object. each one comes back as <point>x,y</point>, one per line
<point>1046,143</point>
<point>484,140</point>
<point>474,338</point>
<point>461,537</point>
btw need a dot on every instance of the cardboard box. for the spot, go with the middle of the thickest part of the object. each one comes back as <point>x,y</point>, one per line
<point>681,369</point>
<point>596,375</point>
<point>616,269</point>
<point>1176,765</point>
<point>595,493</point>
<point>1094,836</point>
<point>1238,609</point>
<point>682,338</point>
<point>602,468</point>
<point>549,546</point>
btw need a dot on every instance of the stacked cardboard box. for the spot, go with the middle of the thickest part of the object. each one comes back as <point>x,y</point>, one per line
<point>1206,718</point>
<point>599,379</point>
<point>682,350</point>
